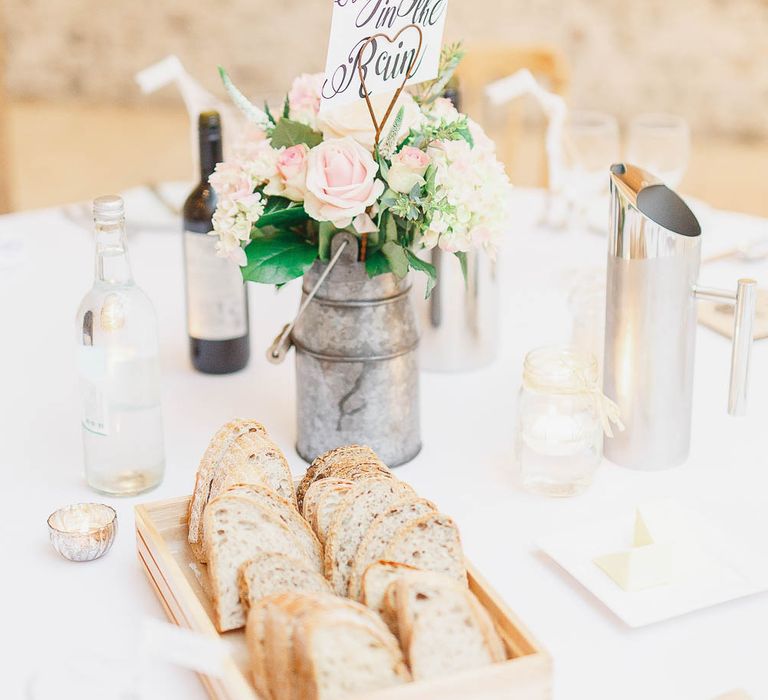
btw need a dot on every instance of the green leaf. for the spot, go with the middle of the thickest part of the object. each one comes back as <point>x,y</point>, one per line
<point>391,228</point>
<point>388,198</point>
<point>291,133</point>
<point>286,108</point>
<point>268,112</point>
<point>278,259</point>
<point>282,216</point>
<point>396,257</point>
<point>423,266</point>
<point>429,178</point>
<point>383,168</point>
<point>377,264</point>
<point>274,203</point>
<point>326,231</point>
<point>466,134</point>
<point>462,256</point>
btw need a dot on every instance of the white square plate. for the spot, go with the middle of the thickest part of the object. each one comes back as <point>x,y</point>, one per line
<point>735,569</point>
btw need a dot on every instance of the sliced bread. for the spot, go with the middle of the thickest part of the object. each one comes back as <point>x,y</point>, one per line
<point>379,535</point>
<point>258,454</point>
<point>238,528</point>
<point>316,492</point>
<point>376,584</point>
<point>271,573</point>
<point>360,507</point>
<point>217,448</point>
<point>289,516</point>
<point>324,465</point>
<point>327,504</point>
<point>442,628</point>
<point>342,654</point>
<point>274,626</point>
<point>430,542</point>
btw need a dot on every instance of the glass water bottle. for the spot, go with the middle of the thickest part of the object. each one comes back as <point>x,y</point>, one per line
<point>119,368</point>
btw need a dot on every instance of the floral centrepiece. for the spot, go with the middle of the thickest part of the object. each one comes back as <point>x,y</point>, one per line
<point>297,179</point>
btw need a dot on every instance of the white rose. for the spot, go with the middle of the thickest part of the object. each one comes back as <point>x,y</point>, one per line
<point>407,169</point>
<point>354,119</point>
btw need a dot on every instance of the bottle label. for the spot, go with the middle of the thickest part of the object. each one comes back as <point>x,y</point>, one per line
<point>216,307</point>
<point>92,364</point>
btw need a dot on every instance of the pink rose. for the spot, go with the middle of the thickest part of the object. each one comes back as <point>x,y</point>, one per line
<point>304,97</point>
<point>407,169</point>
<point>341,181</point>
<point>291,180</point>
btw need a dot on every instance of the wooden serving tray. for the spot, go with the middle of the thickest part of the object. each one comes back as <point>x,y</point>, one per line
<point>178,580</point>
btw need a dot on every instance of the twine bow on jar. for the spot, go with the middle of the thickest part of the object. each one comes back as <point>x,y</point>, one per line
<point>567,372</point>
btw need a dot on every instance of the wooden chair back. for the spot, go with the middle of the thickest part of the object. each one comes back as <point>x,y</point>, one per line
<point>517,129</point>
<point>5,156</point>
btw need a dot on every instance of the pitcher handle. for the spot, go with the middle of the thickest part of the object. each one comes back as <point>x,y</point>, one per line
<point>744,301</point>
<point>282,344</point>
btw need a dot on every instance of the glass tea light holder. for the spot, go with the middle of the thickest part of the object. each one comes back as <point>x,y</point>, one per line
<point>562,416</point>
<point>83,531</point>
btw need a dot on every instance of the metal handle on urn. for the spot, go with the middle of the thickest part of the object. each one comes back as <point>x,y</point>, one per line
<point>744,301</point>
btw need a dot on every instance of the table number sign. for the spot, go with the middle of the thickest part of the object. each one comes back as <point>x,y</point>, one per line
<point>374,39</point>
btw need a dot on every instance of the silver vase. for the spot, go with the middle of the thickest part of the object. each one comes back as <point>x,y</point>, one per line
<point>460,321</point>
<point>357,374</point>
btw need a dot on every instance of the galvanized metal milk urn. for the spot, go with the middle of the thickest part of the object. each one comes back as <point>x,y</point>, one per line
<point>650,333</point>
<point>357,374</point>
<point>459,322</point>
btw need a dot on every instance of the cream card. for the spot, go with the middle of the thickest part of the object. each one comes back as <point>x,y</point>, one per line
<point>386,60</point>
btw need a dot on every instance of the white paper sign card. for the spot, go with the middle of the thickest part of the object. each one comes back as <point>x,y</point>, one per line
<point>386,59</point>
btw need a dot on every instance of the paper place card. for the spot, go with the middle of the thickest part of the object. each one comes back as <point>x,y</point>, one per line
<point>386,60</point>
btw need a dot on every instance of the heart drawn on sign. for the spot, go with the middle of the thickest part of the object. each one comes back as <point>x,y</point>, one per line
<point>379,126</point>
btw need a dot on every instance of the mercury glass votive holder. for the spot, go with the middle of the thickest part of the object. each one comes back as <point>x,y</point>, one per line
<point>83,531</point>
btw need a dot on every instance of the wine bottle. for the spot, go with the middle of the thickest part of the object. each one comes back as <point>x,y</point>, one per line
<point>118,360</point>
<point>452,92</point>
<point>217,297</point>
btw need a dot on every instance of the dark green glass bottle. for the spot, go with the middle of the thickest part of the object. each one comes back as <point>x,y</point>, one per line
<point>217,297</point>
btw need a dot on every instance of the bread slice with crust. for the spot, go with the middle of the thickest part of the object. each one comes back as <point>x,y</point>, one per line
<point>250,458</point>
<point>238,528</point>
<point>379,535</point>
<point>257,454</point>
<point>270,573</point>
<point>314,497</point>
<point>345,653</point>
<point>376,583</point>
<point>324,465</point>
<point>430,542</point>
<point>442,627</point>
<point>214,453</point>
<point>255,639</point>
<point>310,548</point>
<point>275,624</point>
<point>362,503</point>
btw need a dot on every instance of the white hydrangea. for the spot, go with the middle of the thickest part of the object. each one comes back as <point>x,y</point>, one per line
<point>472,192</point>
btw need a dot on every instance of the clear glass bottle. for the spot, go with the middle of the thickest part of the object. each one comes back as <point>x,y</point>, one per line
<point>559,440</point>
<point>119,368</point>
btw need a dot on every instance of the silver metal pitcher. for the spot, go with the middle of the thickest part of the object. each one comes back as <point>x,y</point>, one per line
<point>357,374</point>
<point>650,334</point>
<point>460,321</point>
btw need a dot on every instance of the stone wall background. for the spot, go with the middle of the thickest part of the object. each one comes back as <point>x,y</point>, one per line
<point>704,59</point>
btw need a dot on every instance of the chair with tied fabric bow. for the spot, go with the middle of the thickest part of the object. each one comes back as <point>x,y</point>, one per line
<point>511,126</point>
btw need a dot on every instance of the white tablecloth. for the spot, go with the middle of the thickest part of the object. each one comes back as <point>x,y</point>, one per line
<point>465,466</point>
